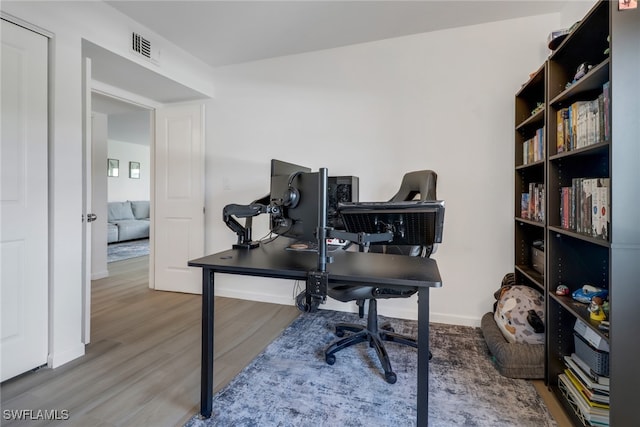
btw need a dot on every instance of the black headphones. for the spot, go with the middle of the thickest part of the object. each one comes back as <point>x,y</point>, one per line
<point>291,196</point>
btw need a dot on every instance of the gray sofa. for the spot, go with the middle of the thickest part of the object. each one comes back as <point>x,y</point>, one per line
<point>127,220</point>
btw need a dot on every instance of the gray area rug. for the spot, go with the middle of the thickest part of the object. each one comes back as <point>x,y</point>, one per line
<point>125,250</point>
<point>289,383</point>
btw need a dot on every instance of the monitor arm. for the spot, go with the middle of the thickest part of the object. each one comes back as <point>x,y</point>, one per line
<point>255,208</point>
<point>318,279</point>
<point>362,238</point>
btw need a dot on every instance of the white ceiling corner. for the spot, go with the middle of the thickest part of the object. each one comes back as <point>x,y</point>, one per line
<point>223,33</point>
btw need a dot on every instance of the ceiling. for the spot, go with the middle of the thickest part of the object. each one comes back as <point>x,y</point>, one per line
<point>115,70</point>
<point>127,122</point>
<point>223,33</point>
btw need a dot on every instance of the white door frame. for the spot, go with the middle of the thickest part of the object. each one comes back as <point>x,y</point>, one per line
<point>92,86</point>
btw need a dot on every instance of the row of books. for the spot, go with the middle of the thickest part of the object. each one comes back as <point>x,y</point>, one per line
<point>532,203</point>
<point>584,207</point>
<point>533,148</point>
<point>584,123</point>
<point>587,392</point>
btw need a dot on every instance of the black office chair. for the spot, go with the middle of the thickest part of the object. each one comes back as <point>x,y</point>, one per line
<point>422,183</point>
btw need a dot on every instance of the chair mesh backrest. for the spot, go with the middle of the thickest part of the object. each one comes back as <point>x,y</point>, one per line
<point>415,183</point>
<point>422,183</point>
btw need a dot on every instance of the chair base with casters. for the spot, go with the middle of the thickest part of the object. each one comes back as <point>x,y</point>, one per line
<point>371,334</point>
<point>418,183</point>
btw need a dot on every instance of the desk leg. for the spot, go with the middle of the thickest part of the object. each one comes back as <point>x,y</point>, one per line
<point>423,357</point>
<point>206,375</point>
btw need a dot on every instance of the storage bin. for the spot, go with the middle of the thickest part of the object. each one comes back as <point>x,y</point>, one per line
<point>597,360</point>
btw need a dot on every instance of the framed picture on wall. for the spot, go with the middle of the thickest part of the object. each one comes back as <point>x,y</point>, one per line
<point>113,167</point>
<point>134,170</point>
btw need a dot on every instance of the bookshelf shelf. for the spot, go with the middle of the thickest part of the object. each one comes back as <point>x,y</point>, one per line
<point>597,149</point>
<point>579,310</point>
<point>535,277</point>
<point>531,165</point>
<point>530,222</point>
<point>569,233</point>
<point>585,166</point>
<point>589,83</point>
<point>536,119</point>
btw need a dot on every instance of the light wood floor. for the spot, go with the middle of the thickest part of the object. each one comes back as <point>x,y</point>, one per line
<point>142,367</point>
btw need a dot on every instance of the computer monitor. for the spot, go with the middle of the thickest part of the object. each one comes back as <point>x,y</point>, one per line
<point>294,201</point>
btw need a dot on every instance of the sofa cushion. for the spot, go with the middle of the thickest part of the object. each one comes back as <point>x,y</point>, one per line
<point>119,211</point>
<point>132,229</point>
<point>140,209</point>
<point>112,233</point>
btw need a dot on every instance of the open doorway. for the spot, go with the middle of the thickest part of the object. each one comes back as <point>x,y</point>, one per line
<point>173,105</point>
<point>121,181</point>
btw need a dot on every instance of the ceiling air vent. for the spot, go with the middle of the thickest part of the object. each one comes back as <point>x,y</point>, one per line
<point>142,46</point>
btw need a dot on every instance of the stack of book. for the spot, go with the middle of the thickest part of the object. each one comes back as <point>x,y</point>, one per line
<point>583,123</point>
<point>533,148</point>
<point>532,203</point>
<point>584,207</point>
<point>587,392</point>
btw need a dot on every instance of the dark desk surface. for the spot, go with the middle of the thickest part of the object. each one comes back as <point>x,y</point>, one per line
<point>272,260</point>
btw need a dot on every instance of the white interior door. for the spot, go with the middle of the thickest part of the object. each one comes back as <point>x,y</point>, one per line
<point>178,230</point>
<point>87,214</point>
<point>98,190</point>
<point>23,201</point>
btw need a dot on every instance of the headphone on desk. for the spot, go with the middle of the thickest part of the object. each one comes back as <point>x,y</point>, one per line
<point>291,196</point>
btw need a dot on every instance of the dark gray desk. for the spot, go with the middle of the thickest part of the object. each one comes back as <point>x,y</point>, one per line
<point>272,260</point>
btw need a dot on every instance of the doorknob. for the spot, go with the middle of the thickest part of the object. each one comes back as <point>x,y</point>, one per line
<point>91,217</point>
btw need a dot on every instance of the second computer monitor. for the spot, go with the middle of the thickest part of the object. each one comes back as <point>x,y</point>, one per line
<point>294,195</point>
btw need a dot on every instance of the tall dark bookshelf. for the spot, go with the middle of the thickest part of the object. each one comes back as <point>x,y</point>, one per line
<point>575,257</point>
<point>530,120</point>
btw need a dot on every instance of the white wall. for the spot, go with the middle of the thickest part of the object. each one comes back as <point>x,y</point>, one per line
<point>69,23</point>
<point>574,11</point>
<point>441,101</point>
<point>121,187</point>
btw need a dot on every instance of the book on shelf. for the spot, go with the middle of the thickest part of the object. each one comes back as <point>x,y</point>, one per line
<point>590,415</point>
<point>566,195</point>
<point>606,113</point>
<point>586,375</point>
<point>561,123</point>
<point>532,203</point>
<point>584,207</point>
<point>524,206</point>
<point>600,208</point>
<point>591,378</point>
<point>587,392</point>
<point>584,123</point>
<point>533,148</point>
<point>593,397</point>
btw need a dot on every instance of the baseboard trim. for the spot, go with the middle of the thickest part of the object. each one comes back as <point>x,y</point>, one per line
<point>351,307</point>
<point>454,320</point>
<point>253,296</point>
<point>57,359</point>
<point>100,275</point>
